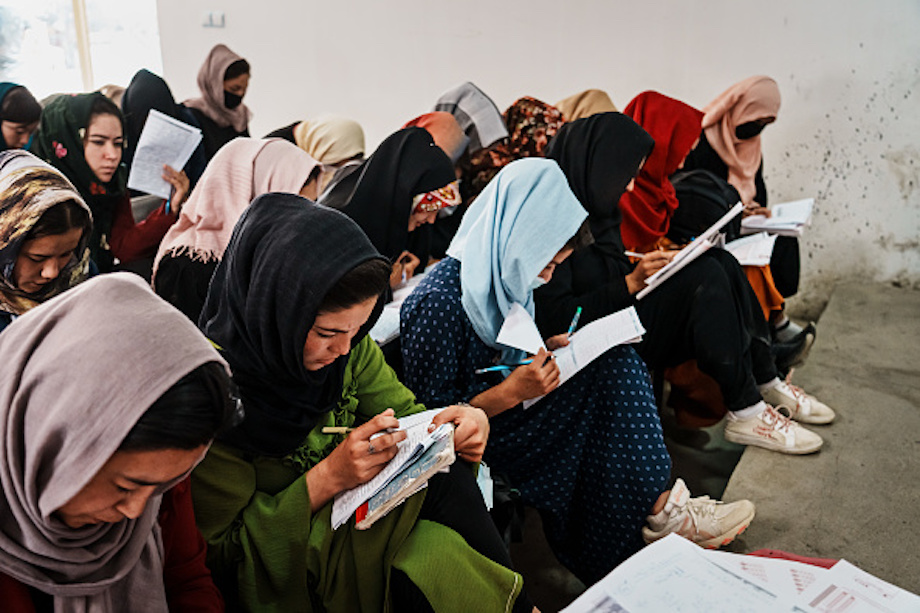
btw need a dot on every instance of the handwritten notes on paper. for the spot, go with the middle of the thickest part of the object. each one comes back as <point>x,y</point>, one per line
<point>164,140</point>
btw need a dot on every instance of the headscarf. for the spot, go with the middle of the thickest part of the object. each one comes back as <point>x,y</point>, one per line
<point>28,188</point>
<point>531,125</point>
<point>285,254</point>
<point>509,234</point>
<point>477,115</point>
<point>445,131</point>
<point>751,99</point>
<point>587,103</point>
<point>59,141</point>
<point>211,86</point>
<point>67,401</point>
<point>600,155</point>
<point>379,195</point>
<point>28,109</point>
<point>243,169</point>
<point>675,126</point>
<point>146,91</point>
<point>330,139</point>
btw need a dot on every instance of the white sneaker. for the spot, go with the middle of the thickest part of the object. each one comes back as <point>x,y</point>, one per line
<point>708,523</point>
<point>772,431</point>
<point>794,403</point>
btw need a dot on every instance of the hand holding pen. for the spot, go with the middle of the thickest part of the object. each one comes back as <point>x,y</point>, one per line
<point>538,378</point>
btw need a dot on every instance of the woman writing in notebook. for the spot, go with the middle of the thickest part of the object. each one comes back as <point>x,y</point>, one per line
<point>289,306</point>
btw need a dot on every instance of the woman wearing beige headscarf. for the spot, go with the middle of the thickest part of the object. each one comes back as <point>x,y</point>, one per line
<point>87,463</point>
<point>584,104</point>
<point>223,80</point>
<point>242,170</point>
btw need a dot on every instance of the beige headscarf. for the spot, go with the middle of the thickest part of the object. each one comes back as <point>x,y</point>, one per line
<point>330,139</point>
<point>587,103</point>
<point>243,169</point>
<point>211,85</point>
<point>751,99</point>
<point>68,397</point>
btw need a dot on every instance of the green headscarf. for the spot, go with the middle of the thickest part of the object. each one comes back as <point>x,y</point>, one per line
<point>59,141</point>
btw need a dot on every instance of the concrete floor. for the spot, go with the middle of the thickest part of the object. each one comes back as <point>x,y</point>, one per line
<point>856,499</point>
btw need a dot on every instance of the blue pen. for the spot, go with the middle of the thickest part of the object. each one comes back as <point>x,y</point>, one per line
<point>574,322</point>
<point>168,200</point>
<point>501,367</point>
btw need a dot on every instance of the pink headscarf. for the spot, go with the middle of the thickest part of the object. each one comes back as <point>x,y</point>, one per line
<point>751,99</point>
<point>243,169</point>
<point>211,84</point>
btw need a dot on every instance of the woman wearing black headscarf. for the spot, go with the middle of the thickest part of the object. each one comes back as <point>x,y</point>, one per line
<point>395,192</point>
<point>289,306</point>
<point>706,312</point>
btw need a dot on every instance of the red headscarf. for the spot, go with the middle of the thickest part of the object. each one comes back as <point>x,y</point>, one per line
<point>675,126</point>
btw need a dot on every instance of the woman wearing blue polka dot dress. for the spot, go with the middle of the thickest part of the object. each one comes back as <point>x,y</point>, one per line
<point>590,455</point>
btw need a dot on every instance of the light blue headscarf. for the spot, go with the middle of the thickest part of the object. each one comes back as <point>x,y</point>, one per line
<point>519,222</point>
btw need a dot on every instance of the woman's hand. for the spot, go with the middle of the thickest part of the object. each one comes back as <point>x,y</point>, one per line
<point>472,430</point>
<point>557,342</point>
<point>538,378</point>
<point>356,460</point>
<point>180,185</point>
<point>403,268</point>
<point>755,209</point>
<point>650,263</point>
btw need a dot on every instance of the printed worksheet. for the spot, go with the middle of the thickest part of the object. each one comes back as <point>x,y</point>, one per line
<point>164,140</point>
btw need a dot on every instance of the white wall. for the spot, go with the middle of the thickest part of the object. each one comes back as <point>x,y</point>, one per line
<point>849,71</point>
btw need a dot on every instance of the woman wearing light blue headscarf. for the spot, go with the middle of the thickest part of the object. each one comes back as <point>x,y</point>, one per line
<point>590,455</point>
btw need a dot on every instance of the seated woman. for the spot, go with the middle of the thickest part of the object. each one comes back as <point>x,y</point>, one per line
<point>83,137</point>
<point>730,148</point>
<point>706,312</point>
<point>446,132</point>
<point>19,116</point>
<point>148,92</point>
<point>584,104</point>
<point>590,455</point>
<point>46,228</point>
<point>222,80</point>
<point>289,307</point>
<point>334,141</point>
<point>88,519</point>
<point>242,170</point>
<point>395,192</point>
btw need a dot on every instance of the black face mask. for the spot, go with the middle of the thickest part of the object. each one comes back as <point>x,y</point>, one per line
<point>749,130</point>
<point>231,100</point>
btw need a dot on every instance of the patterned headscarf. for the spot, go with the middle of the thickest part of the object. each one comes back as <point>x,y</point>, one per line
<point>28,189</point>
<point>531,125</point>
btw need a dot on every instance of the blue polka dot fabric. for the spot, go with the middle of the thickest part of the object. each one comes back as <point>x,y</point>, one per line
<point>589,456</point>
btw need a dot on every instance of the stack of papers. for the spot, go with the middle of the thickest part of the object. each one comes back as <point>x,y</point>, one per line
<point>786,219</point>
<point>754,250</point>
<point>164,140</point>
<point>677,576</point>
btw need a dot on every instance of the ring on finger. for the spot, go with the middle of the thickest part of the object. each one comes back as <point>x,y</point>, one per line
<point>371,450</point>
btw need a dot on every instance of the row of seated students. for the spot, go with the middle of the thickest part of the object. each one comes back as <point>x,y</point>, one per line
<point>155,454</point>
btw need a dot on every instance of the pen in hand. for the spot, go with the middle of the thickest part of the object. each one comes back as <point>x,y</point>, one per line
<point>574,322</point>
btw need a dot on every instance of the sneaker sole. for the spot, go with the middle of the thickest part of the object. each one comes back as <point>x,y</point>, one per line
<point>815,421</point>
<point>743,439</point>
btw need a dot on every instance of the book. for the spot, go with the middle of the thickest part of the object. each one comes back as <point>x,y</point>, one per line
<point>786,219</point>
<point>410,479</point>
<point>418,440</point>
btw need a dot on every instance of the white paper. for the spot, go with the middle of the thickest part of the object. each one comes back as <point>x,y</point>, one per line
<point>387,326</point>
<point>164,140</point>
<point>520,331</point>
<point>698,247</point>
<point>753,250</point>
<point>593,340</point>
<point>785,578</point>
<point>674,575</point>
<point>787,218</point>
<point>847,588</point>
<point>416,429</point>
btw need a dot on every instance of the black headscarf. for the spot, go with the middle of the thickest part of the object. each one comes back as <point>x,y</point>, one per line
<point>145,92</point>
<point>600,155</point>
<point>284,256</point>
<point>379,199</point>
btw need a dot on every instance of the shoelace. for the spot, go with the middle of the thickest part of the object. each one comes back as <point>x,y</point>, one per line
<point>700,508</point>
<point>801,398</point>
<point>776,420</point>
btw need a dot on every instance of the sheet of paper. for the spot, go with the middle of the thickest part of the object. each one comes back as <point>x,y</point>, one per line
<point>387,326</point>
<point>785,578</point>
<point>164,140</point>
<point>787,218</point>
<point>673,575</point>
<point>593,340</point>
<point>416,429</point>
<point>520,331</point>
<point>846,588</point>
<point>753,250</point>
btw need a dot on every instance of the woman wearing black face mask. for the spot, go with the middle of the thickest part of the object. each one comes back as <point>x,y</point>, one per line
<point>223,80</point>
<point>730,148</point>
